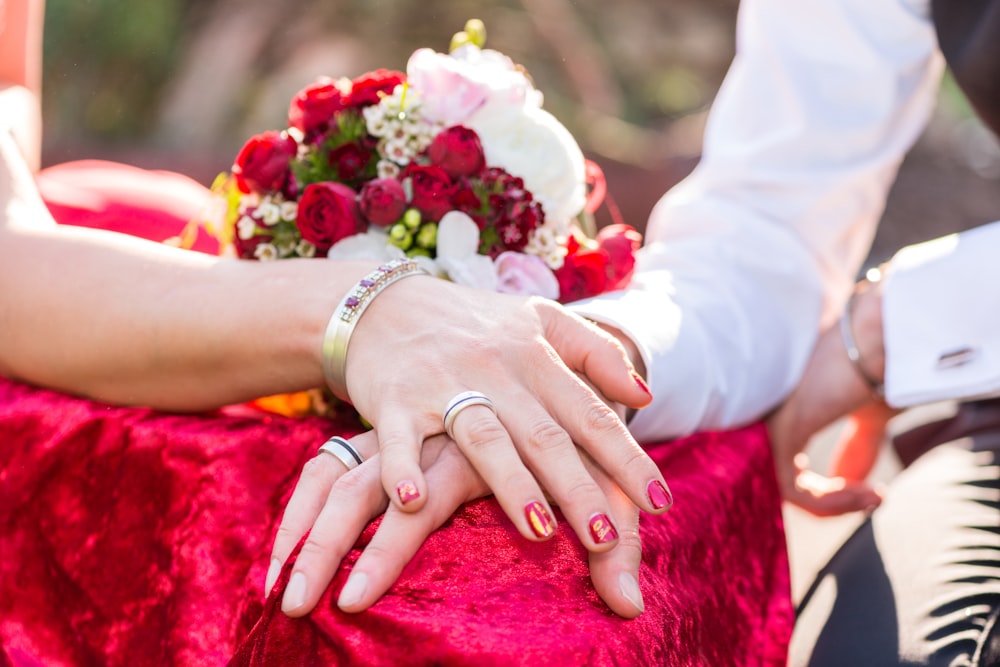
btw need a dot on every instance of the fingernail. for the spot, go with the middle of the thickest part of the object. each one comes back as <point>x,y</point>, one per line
<point>641,383</point>
<point>407,491</point>
<point>353,590</point>
<point>542,523</point>
<point>659,495</point>
<point>273,570</point>
<point>629,587</point>
<point>602,530</point>
<point>295,593</point>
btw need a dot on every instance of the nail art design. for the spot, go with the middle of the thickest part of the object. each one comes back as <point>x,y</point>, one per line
<point>542,523</point>
<point>641,383</point>
<point>601,529</point>
<point>407,491</point>
<point>659,495</point>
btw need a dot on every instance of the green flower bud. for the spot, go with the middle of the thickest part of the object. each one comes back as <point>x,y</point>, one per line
<point>400,236</point>
<point>476,31</point>
<point>411,218</point>
<point>458,40</point>
<point>428,235</point>
<point>418,252</point>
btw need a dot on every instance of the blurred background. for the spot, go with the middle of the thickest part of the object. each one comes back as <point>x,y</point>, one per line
<point>180,84</point>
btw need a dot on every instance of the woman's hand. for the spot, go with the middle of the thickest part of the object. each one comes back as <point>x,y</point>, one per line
<point>334,506</point>
<point>831,387</point>
<point>423,341</point>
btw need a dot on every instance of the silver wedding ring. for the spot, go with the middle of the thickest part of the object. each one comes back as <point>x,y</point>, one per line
<point>343,451</point>
<point>460,402</point>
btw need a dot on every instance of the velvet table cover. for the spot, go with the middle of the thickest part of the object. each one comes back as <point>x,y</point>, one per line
<point>132,537</point>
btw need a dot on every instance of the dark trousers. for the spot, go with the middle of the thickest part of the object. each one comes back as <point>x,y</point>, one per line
<point>919,582</point>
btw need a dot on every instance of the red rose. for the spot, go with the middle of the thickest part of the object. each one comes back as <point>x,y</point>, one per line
<point>263,164</point>
<point>366,88</point>
<point>621,243</point>
<point>383,201</point>
<point>349,161</point>
<point>432,190</point>
<point>458,151</point>
<point>328,212</point>
<point>312,109</point>
<point>583,274</point>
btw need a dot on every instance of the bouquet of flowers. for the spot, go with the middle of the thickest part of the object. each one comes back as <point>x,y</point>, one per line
<point>453,162</point>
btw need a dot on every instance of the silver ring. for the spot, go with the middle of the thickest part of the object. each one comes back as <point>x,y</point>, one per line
<point>343,451</point>
<point>460,402</point>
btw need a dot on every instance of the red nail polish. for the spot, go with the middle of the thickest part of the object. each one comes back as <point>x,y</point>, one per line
<point>541,522</point>
<point>407,491</point>
<point>601,529</point>
<point>659,495</point>
<point>641,383</point>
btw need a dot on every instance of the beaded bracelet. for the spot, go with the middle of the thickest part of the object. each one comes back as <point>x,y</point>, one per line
<point>349,310</point>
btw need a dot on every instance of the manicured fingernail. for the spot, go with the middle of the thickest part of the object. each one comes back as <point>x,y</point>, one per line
<point>542,523</point>
<point>353,590</point>
<point>602,530</point>
<point>273,570</point>
<point>407,491</point>
<point>295,593</point>
<point>659,495</point>
<point>629,587</point>
<point>641,383</point>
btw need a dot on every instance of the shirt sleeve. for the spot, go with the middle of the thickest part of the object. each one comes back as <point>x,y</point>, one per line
<point>756,250</point>
<point>941,314</point>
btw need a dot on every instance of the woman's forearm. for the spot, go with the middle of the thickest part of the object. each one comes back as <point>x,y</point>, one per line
<point>130,321</point>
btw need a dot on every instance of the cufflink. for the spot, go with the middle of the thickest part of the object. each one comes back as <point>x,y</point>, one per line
<point>959,356</point>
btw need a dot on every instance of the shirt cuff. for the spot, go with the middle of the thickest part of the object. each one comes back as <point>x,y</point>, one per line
<point>941,313</point>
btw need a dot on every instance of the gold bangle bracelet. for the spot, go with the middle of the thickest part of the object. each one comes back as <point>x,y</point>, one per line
<point>349,310</point>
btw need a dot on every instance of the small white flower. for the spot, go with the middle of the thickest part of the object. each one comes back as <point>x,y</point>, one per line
<point>387,169</point>
<point>305,249</point>
<point>269,213</point>
<point>265,252</point>
<point>397,150</point>
<point>285,248</point>
<point>246,228</point>
<point>289,210</point>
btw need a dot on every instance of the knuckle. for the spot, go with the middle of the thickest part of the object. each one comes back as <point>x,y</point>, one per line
<point>629,539</point>
<point>598,417</point>
<point>484,432</point>
<point>546,436</point>
<point>315,471</point>
<point>315,551</point>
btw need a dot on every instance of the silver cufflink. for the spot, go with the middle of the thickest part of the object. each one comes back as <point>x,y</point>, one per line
<point>959,356</point>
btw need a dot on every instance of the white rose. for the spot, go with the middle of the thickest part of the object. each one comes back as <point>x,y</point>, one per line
<point>535,146</point>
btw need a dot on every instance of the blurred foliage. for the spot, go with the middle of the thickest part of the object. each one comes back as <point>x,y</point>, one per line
<point>106,62</point>
<point>121,71</point>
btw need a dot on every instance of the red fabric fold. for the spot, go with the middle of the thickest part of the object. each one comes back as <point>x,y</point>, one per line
<point>132,537</point>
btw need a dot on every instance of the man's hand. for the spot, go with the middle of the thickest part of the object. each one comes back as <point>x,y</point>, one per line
<point>833,387</point>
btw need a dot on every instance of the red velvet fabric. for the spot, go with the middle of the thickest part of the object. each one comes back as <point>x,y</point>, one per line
<point>131,537</point>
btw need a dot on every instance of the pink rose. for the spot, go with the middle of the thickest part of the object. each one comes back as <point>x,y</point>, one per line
<point>328,212</point>
<point>383,201</point>
<point>432,190</point>
<point>451,94</point>
<point>263,164</point>
<point>518,273</point>
<point>458,151</point>
<point>368,88</point>
<point>313,108</point>
<point>621,243</point>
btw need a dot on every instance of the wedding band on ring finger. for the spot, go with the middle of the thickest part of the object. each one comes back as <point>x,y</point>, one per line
<point>461,401</point>
<point>343,451</point>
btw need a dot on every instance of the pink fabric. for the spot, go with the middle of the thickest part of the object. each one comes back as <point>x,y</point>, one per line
<point>131,537</point>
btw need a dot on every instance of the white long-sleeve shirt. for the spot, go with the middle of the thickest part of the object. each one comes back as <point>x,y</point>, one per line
<point>755,252</point>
